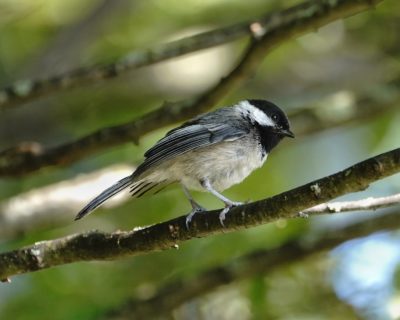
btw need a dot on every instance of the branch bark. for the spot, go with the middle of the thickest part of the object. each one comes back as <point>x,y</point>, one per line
<point>287,23</point>
<point>96,245</point>
<point>257,263</point>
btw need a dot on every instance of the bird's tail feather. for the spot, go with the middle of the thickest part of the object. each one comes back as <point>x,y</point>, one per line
<point>142,187</point>
<point>106,194</point>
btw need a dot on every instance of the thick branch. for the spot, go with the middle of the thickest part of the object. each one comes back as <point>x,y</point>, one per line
<point>292,21</point>
<point>261,262</point>
<point>97,245</point>
<point>34,210</point>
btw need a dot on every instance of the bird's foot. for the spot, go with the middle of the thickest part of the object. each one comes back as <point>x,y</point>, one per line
<point>228,206</point>
<point>189,217</point>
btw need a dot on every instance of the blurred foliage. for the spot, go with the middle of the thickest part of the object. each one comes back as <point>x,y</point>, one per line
<point>357,55</point>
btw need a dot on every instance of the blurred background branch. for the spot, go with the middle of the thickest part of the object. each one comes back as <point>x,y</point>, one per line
<point>287,23</point>
<point>29,157</point>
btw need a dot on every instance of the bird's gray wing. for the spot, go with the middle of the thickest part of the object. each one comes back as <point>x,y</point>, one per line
<point>189,137</point>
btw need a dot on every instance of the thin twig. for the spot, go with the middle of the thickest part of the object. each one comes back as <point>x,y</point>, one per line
<point>96,245</point>
<point>278,28</point>
<point>345,206</point>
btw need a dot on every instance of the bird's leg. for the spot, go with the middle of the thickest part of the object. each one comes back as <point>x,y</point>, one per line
<point>195,206</point>
<point>228,203</point>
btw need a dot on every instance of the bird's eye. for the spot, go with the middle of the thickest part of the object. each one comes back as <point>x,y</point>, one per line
<point>275,117</point>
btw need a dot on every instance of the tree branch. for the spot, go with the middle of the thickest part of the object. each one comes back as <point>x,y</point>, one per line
<point>345,206</point>
<point>256,263</point>
<point>96,245</point>
<point>287,23</point>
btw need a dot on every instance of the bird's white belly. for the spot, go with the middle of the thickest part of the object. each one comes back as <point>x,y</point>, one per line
<point>228,164</point>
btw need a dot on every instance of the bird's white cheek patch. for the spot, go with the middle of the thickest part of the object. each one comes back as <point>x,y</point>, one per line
<point>256,114</point>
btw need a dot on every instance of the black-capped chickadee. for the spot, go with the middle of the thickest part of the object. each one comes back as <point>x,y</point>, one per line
<point>209,153</point>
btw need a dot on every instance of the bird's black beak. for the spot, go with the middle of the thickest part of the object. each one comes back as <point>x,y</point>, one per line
<point>286,133</point>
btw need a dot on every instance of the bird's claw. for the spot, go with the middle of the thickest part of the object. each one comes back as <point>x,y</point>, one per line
<point>228,206</point>
<point>191,214</point>
<point>222,214</point>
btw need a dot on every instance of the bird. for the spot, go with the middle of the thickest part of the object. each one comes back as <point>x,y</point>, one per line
<point>210,152</point>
